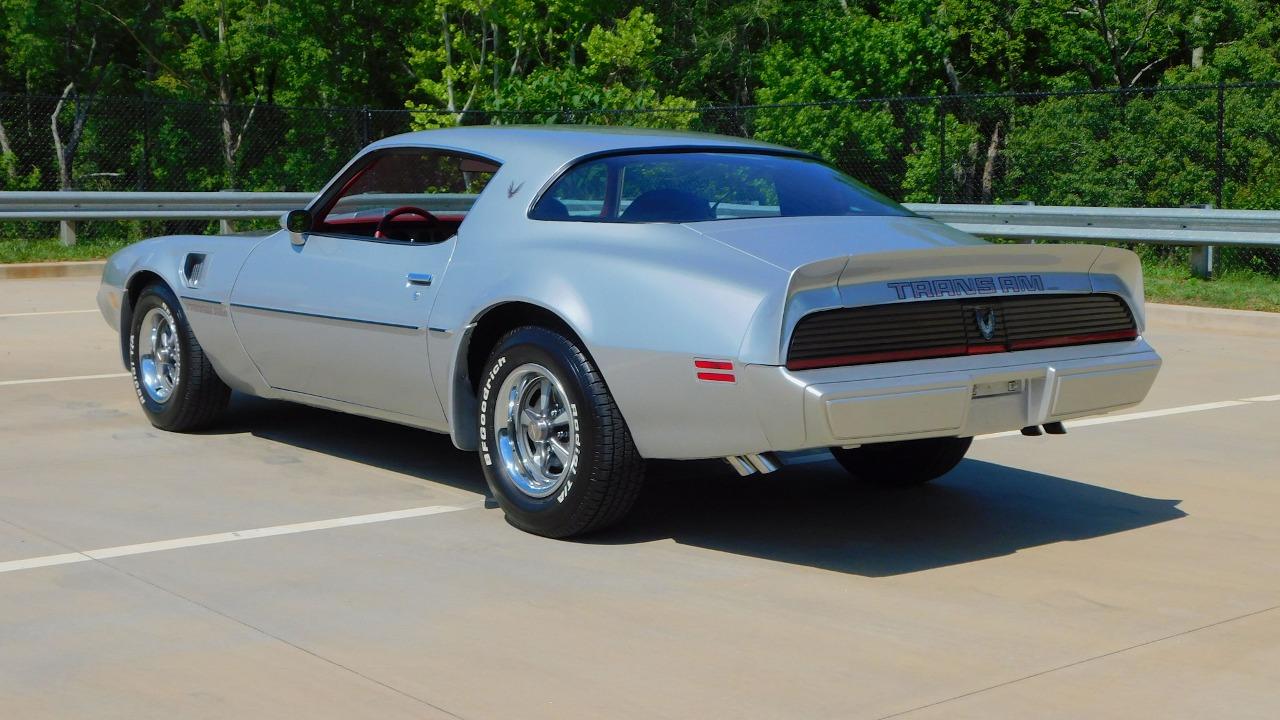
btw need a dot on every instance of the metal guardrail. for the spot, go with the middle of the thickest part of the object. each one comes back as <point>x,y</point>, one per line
<point>74,205</point>
<point>1200,228</point>
<point>69,207</point>
<point>1166,226</point>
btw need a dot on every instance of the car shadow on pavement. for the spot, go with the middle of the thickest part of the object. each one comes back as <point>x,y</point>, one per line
<point>417,453</point>
<point>814,514</point>
<point>807,514</point>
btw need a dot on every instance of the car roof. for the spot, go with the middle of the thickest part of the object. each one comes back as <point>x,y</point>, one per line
<point>558,144</point>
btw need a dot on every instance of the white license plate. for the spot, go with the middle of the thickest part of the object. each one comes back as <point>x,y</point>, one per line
<point>1008,387</point>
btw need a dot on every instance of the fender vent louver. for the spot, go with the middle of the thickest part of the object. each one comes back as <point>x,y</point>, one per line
<point>192,268</point>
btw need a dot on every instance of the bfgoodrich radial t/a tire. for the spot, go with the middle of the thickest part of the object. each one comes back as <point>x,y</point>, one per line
<point>176,385</point>
<point>555,450</point>
<point>905,463</point>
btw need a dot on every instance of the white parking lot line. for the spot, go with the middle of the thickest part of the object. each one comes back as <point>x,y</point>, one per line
<point>234,536</point>
<point>34,381</point>
<point>1264,398</point>
<point>48,312</point>
<point>801,458</point>
<point>1108,419</point>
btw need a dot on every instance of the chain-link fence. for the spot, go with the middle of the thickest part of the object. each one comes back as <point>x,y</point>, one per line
<point>1141,147</point>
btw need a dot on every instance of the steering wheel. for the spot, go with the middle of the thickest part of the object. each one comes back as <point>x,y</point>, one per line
<point>385,222</point>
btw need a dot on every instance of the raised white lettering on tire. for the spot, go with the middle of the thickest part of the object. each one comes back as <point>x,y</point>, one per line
<point>484,425</point>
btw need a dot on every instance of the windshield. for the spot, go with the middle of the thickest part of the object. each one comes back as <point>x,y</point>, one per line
<point>680,187</point>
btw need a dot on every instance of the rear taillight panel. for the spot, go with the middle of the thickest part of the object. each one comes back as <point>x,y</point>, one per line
<point>956,327</point>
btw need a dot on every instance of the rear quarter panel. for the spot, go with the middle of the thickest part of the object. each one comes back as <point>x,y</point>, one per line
<point>645,299</point>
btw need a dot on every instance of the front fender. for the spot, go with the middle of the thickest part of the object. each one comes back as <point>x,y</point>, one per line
<point>203,298</point>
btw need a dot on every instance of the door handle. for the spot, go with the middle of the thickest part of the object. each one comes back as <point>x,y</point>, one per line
<point>423,279</point>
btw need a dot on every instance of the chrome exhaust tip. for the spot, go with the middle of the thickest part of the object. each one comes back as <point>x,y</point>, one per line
<point>763,463</point>
<point>1052,428</point>
<point>1055,428</point>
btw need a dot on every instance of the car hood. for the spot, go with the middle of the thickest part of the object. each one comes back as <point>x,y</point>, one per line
<point>789,243</point>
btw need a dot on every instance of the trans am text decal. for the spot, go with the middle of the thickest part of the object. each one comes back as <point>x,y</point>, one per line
<point>958,287</point>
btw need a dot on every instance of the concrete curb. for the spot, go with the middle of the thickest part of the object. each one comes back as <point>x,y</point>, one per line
<point>1236,322</point>
<point>86,268</point>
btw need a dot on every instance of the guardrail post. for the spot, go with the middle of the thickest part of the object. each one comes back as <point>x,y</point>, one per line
<point>1202,256</point>
<point>1202,261</point>
<point>67,232</point>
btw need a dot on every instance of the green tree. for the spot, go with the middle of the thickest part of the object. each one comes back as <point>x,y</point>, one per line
<point>67,48</point>
<point>471,50</point>
<point>837,53</point>
<point>619,73</point>
<point>609,66</point>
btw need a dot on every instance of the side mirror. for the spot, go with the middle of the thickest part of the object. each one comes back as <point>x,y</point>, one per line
<point>298,223</point>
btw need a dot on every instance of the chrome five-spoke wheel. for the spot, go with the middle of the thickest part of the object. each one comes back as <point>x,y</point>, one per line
<point>159,355</point>
<point>176,384</point>
<point>536,436</point>
<point>554,449</point>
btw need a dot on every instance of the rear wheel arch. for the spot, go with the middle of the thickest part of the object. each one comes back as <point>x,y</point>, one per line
<point>482,336</point>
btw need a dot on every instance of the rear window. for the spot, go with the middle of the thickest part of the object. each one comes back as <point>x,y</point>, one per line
<point>702,186</point>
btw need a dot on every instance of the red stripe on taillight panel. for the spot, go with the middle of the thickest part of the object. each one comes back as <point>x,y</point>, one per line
<point>713,365</point>
<point>716,377</point>
<point>877,357</point>
<point>984,349</point>
<point>1081,339</point>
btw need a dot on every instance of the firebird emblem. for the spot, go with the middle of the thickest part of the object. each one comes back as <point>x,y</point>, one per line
<point>986,319</point>
<point>512,189</point>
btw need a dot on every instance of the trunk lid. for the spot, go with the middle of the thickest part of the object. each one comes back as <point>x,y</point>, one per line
<point>789,243</point>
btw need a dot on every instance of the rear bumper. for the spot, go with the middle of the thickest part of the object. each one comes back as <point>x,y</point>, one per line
<point>936,398</point>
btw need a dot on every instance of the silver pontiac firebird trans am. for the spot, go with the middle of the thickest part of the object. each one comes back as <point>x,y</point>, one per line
<point>569,302</point>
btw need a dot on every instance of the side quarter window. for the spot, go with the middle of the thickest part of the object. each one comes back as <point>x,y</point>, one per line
<point>580,194</point>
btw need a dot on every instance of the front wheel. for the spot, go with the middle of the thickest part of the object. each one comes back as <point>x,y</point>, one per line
<point>556,452</point>
<point>904,463</point>
<point>176,385</point>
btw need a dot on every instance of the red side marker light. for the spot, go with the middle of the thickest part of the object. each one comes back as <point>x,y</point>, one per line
<point>702,366</point>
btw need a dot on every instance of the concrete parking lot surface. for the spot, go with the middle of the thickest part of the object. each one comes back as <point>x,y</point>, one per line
<point>1131,568</point>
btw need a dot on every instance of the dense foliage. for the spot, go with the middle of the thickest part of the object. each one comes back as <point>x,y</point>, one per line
<point>818,72</point>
